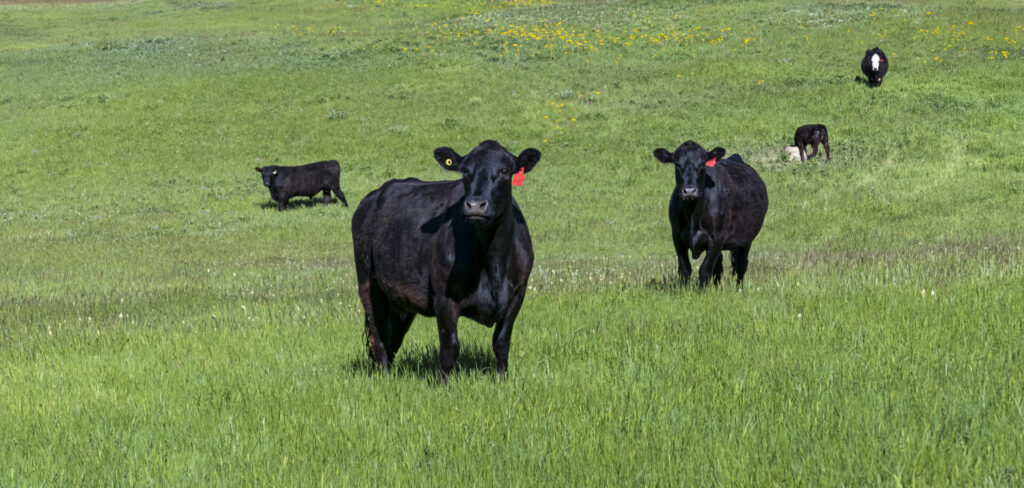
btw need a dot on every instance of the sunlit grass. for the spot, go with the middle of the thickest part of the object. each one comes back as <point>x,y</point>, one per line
<point>161,323</point>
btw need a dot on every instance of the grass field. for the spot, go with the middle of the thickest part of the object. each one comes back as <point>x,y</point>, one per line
<point>162,324</point>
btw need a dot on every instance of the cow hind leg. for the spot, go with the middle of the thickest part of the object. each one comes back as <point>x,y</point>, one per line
<point>803,152</point>
<point>399,322</point>
<point>327,196</point>
<point>739,264</point>
<point>376,314</point>
<point>338,193</point>
<point>828,153</point>
<point>814,145</point>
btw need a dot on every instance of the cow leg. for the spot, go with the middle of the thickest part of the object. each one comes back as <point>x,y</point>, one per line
<point>828,155</point>
<point>448,334</point>
<point>281,204</point>
<point>327,196</point>
<point>338,193</point>
<point>501,341</point>
<point>815,147</point>
<point>682,254</point>
<point>398,325</point>
<point>739,264</point>
<point>711,262</point>
<point>803,152</point>
<point>718,271</point>
<point>375,307</point>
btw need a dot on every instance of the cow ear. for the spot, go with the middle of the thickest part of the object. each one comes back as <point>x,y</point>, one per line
<point>259,169</point>
<point>448,158</point>
<point>662,154</point>
<point>717,153</point>
<point>527,159</point>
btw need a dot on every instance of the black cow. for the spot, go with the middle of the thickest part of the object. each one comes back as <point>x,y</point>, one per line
<point>874,65</point>
<point>717,204</point>
<point>448,249</point>
<point>813,134</point>
<point>305,181</point>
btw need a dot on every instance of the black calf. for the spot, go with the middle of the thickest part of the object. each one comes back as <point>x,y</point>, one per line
<point>813,134</point>
<point>307,180</point>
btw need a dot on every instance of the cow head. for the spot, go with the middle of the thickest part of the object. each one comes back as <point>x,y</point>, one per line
<point>692,164</point>
<point>487,177</point>
<point>269,174</point>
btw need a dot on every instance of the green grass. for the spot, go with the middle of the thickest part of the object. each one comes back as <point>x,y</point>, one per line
<point>162,324</point>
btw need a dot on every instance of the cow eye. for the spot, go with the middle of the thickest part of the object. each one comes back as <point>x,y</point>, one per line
<point>503,172</point>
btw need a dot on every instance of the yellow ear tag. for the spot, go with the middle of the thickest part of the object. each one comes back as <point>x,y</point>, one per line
<point>448,162</point>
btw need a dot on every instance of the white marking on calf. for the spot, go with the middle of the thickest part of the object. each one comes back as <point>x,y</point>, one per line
<point>793,153</point>
<point>874,62</point>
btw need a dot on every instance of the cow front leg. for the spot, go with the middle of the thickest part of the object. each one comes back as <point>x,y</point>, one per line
<point>501,341</point>
<point>803,152</point>
<point>448,335</point>
<point>281,204</point>
<point>683,256</point>
<point>711,264</point>
<point>815,147</point>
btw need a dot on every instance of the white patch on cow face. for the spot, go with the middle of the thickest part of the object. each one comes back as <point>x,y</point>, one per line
<point>874,62</point>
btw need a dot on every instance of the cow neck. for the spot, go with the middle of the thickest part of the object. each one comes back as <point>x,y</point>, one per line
<point>485,236</point>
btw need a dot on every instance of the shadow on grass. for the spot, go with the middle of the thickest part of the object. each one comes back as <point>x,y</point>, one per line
<point>421,362</point>
<point>299,203</point>
<point>670,283</point>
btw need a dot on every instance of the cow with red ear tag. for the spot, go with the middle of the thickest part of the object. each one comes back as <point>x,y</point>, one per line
<point>445,249</point>
<point>717,204</point>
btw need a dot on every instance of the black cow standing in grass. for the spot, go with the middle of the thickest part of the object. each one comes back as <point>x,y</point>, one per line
<point>874,66</point>
<point>718,204</point>
<point>307,180</point>
<point>813,134</point>
<point>448,249</point>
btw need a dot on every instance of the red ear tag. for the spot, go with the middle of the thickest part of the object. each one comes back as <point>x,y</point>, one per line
<point>711,162</point>
<point>517,179</point>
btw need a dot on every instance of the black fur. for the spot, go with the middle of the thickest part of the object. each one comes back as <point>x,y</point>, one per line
<point>813,134</point>
<point>712,209</point>
<point>448,249</point>
<point>307,180</point>
<point>874,77</point>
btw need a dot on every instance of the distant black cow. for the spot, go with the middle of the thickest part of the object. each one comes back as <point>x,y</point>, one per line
<point>874,65</point>
<point>304,181</point>
<point>813,134</point>
<point>448,249</point>
<point>717,204</point>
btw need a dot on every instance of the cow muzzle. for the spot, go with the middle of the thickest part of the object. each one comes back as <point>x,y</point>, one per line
<point>688,193</point>
<point>476,210</point>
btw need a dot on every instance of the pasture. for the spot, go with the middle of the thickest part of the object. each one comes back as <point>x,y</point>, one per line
<point>161,323</point>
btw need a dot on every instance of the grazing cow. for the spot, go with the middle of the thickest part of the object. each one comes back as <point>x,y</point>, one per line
<point>717,204</point>
<point>874,65</point>
<point>813,134</point>
<point>306,181</point>
<point>448,249</point>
